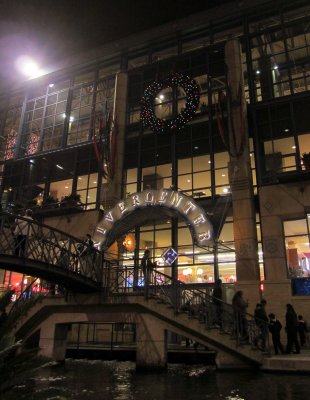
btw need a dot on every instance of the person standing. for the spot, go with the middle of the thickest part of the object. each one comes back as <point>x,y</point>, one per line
<point>147,265</point>
<point>217,298</point>
<point>302,330</point>
<point>86,256</point>
<point>239,307</point>
<point>275,327</point>
<point>291,329</point>
<point>261,321</point>
<point>21,232</point>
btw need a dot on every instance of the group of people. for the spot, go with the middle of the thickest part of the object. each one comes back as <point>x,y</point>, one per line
<point>296,331</point>
<point>295,327</point>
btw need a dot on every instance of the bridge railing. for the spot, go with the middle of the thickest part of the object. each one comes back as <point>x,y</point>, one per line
<point>196,303</point>
<point>29,239</point>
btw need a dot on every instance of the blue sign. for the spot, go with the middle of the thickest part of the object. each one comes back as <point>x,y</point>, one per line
<point>169,256</point>
<point>301,286</point>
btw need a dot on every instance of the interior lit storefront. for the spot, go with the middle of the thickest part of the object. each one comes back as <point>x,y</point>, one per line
<point>48,153</point>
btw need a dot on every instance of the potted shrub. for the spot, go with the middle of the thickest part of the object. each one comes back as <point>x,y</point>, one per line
<point>49,202</point>
<point>306,160</point>
<point>73,199</point>
<point>31,203</point>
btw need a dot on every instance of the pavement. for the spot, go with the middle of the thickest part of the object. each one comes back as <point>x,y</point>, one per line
<point>290,363</point>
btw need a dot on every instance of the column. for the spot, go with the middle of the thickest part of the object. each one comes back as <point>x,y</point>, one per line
<point>151,342</point>
<point>240,178</point>
<point>53,340</point>
<point>114,186</point>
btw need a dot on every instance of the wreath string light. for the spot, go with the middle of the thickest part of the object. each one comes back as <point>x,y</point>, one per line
<point>158,125</point>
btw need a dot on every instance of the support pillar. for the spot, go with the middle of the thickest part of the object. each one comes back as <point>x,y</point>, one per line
<point>227,361</point>
<point>53,341</point>
<point>113,191</point>
<point>240,178</point>
<point>151,342</point>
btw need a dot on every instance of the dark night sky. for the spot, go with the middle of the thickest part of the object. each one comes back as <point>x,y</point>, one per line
<point>51,29</point>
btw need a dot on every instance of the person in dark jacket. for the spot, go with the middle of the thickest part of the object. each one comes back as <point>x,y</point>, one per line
<point>86,256</point>
<point>261,321</point>
<point>302,330</point>
<point>147,265</point>
<point>239,306</point>
<point>291,329</point>
<point>217,297</point>
<point>275,327</point>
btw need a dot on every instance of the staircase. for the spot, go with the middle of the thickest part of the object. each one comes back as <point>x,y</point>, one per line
<point>91,307</point>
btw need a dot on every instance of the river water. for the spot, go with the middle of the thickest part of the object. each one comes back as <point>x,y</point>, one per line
<point>114,380</point>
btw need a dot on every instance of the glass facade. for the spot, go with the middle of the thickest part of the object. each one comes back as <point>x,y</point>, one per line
<point>48,150</point>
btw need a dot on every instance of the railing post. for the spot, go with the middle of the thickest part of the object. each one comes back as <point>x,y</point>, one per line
<point>146,284</point>
<point>176,297</point>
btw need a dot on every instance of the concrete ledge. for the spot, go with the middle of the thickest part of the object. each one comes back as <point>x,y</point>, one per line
<point>290,363</point>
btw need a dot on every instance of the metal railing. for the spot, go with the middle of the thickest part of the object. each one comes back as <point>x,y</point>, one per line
<point>27,298</point>
<point>198,304</point>
<point>26,238</point>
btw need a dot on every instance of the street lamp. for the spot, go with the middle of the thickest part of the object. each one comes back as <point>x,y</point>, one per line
<point>27,66</point>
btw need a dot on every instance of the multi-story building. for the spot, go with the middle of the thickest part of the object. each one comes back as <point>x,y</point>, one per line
<point>242,156</point>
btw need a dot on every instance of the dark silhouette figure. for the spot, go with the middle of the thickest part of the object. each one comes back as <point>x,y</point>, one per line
<point>261,321</point>
<point>147,265</point>
<point>302,330</point>
<point>21,233</point>
<point>291,329</point>
<point>217,297</point>
<point>275,327</point>
<point>87,253</point>
<point>239,307</point>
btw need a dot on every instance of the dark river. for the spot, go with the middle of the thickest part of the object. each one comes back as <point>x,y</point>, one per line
<point>82,379</point>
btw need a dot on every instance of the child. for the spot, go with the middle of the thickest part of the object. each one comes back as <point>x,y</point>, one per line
<point>275,327</point>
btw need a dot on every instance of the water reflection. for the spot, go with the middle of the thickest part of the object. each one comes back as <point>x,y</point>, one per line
<point>90,380</point>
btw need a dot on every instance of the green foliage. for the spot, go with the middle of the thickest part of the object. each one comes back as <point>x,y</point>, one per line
<point>49,200</point>
<point>306,160</point>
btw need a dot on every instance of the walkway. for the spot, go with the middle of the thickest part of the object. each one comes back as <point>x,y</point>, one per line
<point>28,247</point>
<point>290,363</point>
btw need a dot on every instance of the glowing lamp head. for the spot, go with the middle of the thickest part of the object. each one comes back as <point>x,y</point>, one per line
<point>27,66</point>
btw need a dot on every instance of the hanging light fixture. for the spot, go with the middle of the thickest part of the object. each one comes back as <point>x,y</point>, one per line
<point>129,242</point>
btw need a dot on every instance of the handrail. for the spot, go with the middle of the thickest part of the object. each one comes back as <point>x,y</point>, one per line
<point>245,329</point>
<point>21,305</point>
<point>27,238</point>
<point>5,213</point>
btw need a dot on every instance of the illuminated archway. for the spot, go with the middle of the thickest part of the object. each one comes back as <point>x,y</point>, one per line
<point>140,207</point>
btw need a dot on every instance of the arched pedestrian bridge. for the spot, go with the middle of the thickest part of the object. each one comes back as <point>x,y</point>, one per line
<point>122,295</point>
<point>28,247</point>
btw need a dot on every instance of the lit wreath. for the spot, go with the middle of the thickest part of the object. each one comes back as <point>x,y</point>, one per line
<point>148,116</point>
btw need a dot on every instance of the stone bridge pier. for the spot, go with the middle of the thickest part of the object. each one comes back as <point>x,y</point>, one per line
<point>151,338</point>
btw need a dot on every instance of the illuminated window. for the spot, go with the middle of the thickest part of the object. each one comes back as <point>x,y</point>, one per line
<point>297,247</point>
<point>59,190</point>
<point>87,189</point>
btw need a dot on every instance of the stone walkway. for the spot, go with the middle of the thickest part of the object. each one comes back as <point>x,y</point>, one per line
<point>293,363</point>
